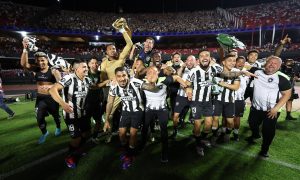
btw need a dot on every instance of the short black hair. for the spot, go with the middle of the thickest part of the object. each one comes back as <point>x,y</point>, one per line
<point>94,57</point>
<point>151,38</point>
<point>174,53</point>
<point>253,51</point>
<point>227,56</point>
<point>121,69</point>
<point>110,44</point>
<point>202,50</point>
<point>241,57</point>
<point>78,61</point>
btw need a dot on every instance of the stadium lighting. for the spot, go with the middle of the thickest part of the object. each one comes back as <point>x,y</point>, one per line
<point>97,37</point>
<point>58,0</point>
<point>23,33</point>
<point>157,38</point>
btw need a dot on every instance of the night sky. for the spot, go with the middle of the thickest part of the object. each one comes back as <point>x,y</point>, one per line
<point>138,6</point>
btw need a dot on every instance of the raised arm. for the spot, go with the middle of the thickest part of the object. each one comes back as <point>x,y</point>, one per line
<point>279,48</point>
<point>24,57</point>
<point>128,46</point>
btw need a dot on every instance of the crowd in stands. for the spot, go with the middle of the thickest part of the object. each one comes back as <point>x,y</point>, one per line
<point>281,13</point>
<point>10,48</point>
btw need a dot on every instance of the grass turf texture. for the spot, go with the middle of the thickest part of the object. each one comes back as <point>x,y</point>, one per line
<point>235,160</point>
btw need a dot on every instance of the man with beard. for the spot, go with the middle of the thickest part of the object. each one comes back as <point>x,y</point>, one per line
<point>75,87</point>
<point>112,61</point>
<point>45,77</point>
<point>94,99</point>
<point>129,91</point>
<point>175,63</point>
<point>199,92</point>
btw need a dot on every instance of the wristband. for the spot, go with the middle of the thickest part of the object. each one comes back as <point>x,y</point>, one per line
<point>122,30</point>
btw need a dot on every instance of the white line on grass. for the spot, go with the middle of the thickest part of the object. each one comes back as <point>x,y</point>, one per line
<point>278,162</point>
<point>36,162</point>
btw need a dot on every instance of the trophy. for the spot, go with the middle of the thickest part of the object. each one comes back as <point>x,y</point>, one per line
<point>228,42</point>
<point>120,25</point>
<point>215,88</point>
<point>30,41</point>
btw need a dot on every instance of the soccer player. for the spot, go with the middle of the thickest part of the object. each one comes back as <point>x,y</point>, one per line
<point>181,100</point>
<point>75,87</point>
<point>94,97</point>
<point>129,92</point>
<point>271,91</point>
<point>109,63</point>
<point>199,92</point>
<point>239,98</point>
<point>224,102</point>
<point>156,106</point>
<point>45,77</point>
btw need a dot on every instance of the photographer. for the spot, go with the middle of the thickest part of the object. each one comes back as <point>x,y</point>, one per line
<point>289,68</point>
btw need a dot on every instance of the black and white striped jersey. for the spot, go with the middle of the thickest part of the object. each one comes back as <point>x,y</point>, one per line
<point>185,74</point>
<point>201,82</point>
<point>227,95</point>
<point>74,93</point>
<point>130,95</point>
<point>266,89</point>
<point>158,100</point>
<point>244,80</point>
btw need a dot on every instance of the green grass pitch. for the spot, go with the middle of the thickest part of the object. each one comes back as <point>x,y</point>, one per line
<point>236,160</point>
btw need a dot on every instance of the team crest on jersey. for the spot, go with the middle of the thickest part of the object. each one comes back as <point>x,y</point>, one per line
<point>148,58</point>
<point>136,84</point>
<point>63,80</point>
<point>270,80</point>
<point>160,86</point>
<point>194,110</point>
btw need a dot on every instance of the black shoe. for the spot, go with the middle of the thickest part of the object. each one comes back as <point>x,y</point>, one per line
<point>251,139</point>
<point>173,135</point>
<point>263,154</point>
<point>164,158</point>
<point>290,118</point>
<point>235,137</point>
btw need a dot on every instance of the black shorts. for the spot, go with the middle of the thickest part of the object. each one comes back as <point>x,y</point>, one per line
<point>131,119</point>
<point>94,110</point>
<point>239,108</point>
<point>200,109</point>
<point>45,104</point>
<point>226,109</point>
<point>181,103</point>
<point>78,126</point>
